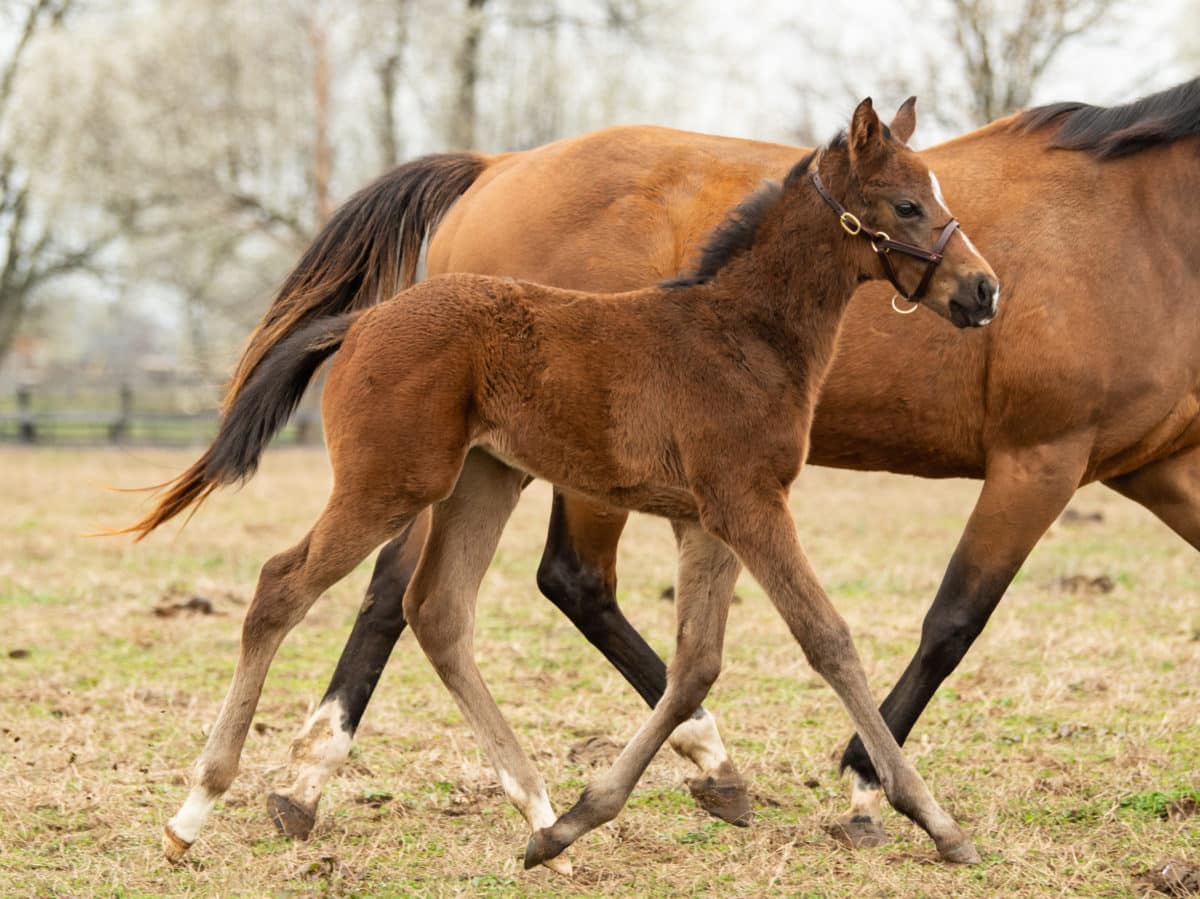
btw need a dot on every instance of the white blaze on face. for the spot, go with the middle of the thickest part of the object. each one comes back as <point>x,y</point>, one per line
<point>937,193</point>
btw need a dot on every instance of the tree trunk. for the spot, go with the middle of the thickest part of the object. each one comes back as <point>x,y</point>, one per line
<point>462,127</point>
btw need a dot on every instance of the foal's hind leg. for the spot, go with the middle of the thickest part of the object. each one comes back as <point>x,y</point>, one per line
<point>440,606</point>
<point>707,572</point>
<point>578,573</point>
<point>765,540</point>
<point>323,744</point>
<point>349,528</point>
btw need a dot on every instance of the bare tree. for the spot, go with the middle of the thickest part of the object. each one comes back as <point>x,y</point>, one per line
<point>983,59</point>
<point>34,247</point>
<point>1005,48</point>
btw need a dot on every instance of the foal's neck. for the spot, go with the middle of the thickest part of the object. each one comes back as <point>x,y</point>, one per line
<point>792,285</point>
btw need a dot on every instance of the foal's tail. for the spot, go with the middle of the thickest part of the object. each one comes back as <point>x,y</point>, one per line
<point>365,254</point>
<point>261,407</point>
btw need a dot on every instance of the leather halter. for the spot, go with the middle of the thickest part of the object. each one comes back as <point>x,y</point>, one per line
<point>882,244</point>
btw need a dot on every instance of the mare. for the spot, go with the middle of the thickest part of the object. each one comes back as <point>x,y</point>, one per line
<point>1090,374</point>
<point>691,400</point>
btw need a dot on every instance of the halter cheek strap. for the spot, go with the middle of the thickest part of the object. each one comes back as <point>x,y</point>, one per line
<point>882,244</point>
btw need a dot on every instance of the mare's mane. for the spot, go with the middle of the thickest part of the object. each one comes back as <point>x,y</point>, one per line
<point>1111,131</point>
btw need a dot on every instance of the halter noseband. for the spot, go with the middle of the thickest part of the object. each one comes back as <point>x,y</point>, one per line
<point>882,244</point>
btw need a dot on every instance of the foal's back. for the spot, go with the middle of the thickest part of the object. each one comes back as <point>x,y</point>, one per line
<point>594,391</point>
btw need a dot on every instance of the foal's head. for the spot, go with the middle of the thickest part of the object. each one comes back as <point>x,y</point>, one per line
<point>891,202</point>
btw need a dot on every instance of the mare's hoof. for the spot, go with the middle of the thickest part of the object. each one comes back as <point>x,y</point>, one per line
<point>963,853</point>
<point>723,795</point>
<point>542,848</point>
<point>291,818</point>
<point>174,848</point>
<point>858,831</point>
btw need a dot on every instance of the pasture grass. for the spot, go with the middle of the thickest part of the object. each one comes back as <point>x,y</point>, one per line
<point>1067,743</point>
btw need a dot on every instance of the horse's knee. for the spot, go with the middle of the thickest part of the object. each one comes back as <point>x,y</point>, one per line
<point>692,679</point>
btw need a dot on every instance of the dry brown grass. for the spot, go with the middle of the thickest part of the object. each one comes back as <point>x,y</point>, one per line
<point>1052,744</point>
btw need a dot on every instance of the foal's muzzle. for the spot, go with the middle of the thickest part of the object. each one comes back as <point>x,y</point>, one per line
<point>975,302</point>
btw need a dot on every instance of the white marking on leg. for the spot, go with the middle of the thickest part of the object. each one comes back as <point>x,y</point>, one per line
<point>866,799</point>
<point>191,816</point>
<point>699,740</point>
<point>322,747</point>
<point>538,813</point>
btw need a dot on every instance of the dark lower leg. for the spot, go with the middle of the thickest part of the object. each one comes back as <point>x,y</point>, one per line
<point>1022,496</point>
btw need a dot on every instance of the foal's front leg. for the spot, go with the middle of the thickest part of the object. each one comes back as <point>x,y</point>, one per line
<point>707,573</point>
<point>765,540</point>
<point>440,606</point>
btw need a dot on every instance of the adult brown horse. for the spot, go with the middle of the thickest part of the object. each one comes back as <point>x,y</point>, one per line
<point>450,397</point>
<point>1090,373</point>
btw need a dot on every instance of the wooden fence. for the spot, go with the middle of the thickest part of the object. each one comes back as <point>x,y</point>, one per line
<point>119,415</point>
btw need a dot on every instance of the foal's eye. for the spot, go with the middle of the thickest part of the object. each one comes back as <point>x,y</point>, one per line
<point>907,209</point>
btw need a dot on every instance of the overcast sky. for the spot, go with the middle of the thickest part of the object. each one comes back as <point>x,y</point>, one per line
<point>872,39</point>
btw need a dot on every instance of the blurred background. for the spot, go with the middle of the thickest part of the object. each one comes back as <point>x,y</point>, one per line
<point>164,162</point>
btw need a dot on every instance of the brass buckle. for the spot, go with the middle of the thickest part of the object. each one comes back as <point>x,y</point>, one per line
<point>880,236</point>
<point>850,224</point>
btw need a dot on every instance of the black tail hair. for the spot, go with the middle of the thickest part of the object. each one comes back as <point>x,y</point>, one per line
<point>258,411</point>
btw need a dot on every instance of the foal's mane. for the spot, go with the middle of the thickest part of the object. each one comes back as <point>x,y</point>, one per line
<point>737,231</point>
<point>1111,131</point>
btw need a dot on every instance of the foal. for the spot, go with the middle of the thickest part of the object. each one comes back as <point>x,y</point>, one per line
<point>691,400</point>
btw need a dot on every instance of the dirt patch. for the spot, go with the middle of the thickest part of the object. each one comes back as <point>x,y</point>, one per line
<point>594,751</point>
<point>1082,583</point>
<point>195,605</point>
<point>1076,517</point>
<point>1182,808</point>
<point>1171,877</point>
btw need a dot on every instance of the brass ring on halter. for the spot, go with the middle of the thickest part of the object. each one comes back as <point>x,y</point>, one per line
<point>850,224</point>
<point>880,236</point>
<point>909,311</point>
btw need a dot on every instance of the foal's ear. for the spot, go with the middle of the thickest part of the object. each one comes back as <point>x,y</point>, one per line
<point>866,136</point>
<point>905,121</point>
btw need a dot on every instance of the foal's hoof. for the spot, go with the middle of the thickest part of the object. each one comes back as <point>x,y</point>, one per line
<point>542,848</point>
<point>174,848</point>
<point>962,853</point>
<point>858,831</point>
<point>723,795</point>
<point>291,818</point>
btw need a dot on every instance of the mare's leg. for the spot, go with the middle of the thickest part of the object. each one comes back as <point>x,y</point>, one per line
<point>578,573</point>
<point>440,606</point>
<point>1023,493</point>
<point>323,744</point>
<point>351,526</point>
<point>1170,488</point>
<point>766,542</point>
<point>707,572</point>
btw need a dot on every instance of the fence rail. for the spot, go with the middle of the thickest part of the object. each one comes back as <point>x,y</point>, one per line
<point>114,417</point>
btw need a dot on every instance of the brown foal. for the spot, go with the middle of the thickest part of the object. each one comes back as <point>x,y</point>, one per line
<point>692,400</point>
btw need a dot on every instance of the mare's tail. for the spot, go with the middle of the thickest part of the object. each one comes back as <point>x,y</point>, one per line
<point>261,407</point>
<point>365,254</point>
